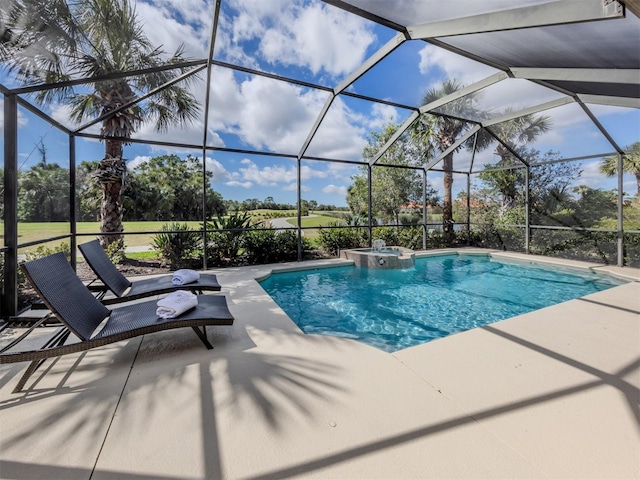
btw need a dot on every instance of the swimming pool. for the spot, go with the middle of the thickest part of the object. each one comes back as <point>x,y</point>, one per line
<point>441,295</point>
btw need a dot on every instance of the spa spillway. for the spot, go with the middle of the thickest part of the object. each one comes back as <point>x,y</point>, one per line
<point>386,258</point>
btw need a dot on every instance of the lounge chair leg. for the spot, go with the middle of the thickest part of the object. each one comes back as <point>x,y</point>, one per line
<point>203,336</point>
<point>55,341</point>
<point>33,366</point>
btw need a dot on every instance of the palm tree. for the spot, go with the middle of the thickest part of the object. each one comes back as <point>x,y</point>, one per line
<point>34,34</point>
<point>107,38</point>
<point>517,133</point>
<point>438,133</point>
<point>630,164</point>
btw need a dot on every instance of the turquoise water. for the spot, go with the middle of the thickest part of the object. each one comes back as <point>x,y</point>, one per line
<point>396,309</point>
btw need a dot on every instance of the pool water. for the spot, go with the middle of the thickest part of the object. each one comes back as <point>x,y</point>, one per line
<point>396,309</point>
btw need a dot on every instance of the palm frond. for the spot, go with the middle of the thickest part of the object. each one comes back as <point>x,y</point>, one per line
<point>54,40</point>
<point>83,106</point>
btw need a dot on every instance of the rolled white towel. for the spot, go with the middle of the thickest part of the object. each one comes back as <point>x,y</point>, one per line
<point>176,303</point>
<point>183,276</point>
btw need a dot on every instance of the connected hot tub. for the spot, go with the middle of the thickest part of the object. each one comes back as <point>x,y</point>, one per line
<point>383,258</point>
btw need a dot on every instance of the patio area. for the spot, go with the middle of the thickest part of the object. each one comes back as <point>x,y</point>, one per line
<point>549,394</point>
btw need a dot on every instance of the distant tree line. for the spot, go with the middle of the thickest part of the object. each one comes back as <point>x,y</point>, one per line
<point>269,204</point>
<point>163,188</point>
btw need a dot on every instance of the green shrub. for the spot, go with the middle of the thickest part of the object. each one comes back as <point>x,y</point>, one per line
<point>223,246</point>
<point>438,239</point>
<point>334,239</point>
<point>388,234</point>
<point>178,245</point>
<point>498,237</point>
<point>43,251</point>
<point>115,251</point>
<point>410,237</point>
<point>410,218</point>
<point>601,247</point>
<point>21,277</point>
<point>407,237</point>
<point>271,246</point>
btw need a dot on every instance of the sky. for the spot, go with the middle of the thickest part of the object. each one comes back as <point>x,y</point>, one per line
<point>317,43</point>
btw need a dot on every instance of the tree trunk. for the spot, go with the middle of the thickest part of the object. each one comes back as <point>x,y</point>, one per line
<point>111,213</point>
<point>447,207</point>
<point>111,173</point>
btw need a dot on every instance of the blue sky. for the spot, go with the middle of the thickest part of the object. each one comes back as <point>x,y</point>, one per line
<point>317,43</point>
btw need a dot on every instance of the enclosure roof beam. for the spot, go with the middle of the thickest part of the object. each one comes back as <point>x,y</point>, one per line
<point>474,87</point>
<point>529,111</point>
<point>367,65</point>
<point>627,102</point>
<point>370,62</point>
<point>260,73</point>
<point>634,6</point>
<point>219,149</point>
<point>507,146</point>
<point>316,125</point>
<point>110,76</point>
<point>453,147</point>
<point>39,113</point>
<point>207,97</point>
<point>573,159</point>
<point>407,123</point>
<point>599,126</point>
<point>600,75</point>
<point>547,14</point>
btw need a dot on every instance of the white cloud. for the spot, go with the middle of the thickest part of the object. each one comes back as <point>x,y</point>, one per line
<point>516,93</point>
<point>592,177</point>
<point>436,181</point>
<point>219,172</point>
<point>452,65</point>
<point>269,176</point>
<point>382,115</point>
<point>264,113</point>
<point>137,161</point>
<point>235,183</point>
<point>296,33</point>
<point>172,23</point>
<point>441,65</point>
<point>277,116</point>
<point>307,173</point>
<point>292,187</point>
<point>187,135</point>
<point>335,190</point>
<point>342,134</point>
<point>62,114</point>
<point>277,175</point>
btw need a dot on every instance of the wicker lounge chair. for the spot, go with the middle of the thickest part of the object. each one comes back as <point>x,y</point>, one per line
<point>125,290</point>
<point>81,314</point>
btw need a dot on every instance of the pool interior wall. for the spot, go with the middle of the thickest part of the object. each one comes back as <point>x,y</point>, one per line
<point>444,294</point>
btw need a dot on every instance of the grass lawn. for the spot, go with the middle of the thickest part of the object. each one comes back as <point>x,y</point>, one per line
<point>318,221</point>
<point>33,231</point>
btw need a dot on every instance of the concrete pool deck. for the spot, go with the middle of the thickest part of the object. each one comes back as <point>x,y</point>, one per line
<point>549,394</point>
